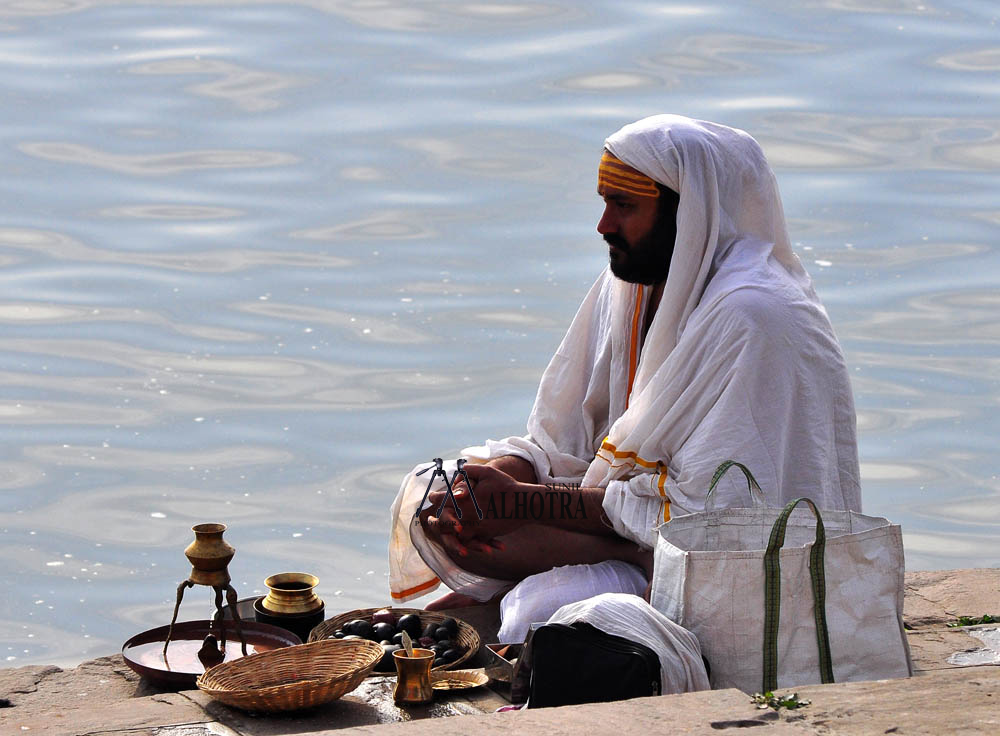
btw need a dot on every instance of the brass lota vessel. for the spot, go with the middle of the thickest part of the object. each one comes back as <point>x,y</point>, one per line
<point>209,555</point>
<point>291,593</point>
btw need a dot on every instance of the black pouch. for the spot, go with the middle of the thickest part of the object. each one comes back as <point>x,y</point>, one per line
<point>579,663</point>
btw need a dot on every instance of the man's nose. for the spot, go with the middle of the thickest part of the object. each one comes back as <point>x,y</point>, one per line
<point>608,223</point>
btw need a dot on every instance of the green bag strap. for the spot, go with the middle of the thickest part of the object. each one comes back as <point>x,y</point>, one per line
<point>772,596</point>
<point>753,488</point>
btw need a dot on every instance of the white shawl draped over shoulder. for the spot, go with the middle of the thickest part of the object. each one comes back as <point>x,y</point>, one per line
<point>740,362</point>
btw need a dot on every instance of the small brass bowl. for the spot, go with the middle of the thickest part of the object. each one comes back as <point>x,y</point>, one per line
<point>291,593</point>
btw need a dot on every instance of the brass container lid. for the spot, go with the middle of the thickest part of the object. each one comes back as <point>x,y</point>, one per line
<point>291,593</point>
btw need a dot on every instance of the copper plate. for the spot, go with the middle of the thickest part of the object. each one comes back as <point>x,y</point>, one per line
<point>263,635</point>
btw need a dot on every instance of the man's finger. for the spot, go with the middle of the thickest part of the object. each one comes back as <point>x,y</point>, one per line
<point>488,547</point>
<point>449,517</point>
<point>424,515</point>
<point>467,529</point>
<point>462,498</point>
<point>461,501</point>
<point>430,529</point>
<point>445,507</point>
<point>494,544</point>
<point>453,547</point>
<point>482,547</point>
<point>441,527</point>
<point>479,472</point>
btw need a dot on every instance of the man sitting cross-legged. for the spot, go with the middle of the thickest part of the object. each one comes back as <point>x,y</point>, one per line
<point>702,341</point>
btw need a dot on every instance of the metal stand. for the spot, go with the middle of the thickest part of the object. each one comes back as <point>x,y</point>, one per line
<point>206,654</point>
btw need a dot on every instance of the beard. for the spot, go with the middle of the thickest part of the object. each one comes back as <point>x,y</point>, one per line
<point>647,261</point>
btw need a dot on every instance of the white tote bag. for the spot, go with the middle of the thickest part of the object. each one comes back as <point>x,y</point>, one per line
<point>783,597</point>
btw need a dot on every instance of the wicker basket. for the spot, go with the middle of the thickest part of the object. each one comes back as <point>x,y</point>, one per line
<point>291,678</point>
<point>468,637</point>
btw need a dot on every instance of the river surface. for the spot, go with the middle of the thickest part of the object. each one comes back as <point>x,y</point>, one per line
<point>261,258</point>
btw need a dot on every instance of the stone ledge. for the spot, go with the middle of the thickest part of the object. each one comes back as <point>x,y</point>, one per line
<point>149,712</point>
<point>935,598</point>
<point>960,700</point>
<point>951,701</point>
<point>103,696</point>
<point>689,713</point>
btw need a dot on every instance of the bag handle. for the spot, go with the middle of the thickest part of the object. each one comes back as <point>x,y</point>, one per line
<point>772,596</point>
<point>756,495</point>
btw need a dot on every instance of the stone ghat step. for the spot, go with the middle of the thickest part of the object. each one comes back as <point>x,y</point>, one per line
<point>103,696</point>
<point>953,701</point>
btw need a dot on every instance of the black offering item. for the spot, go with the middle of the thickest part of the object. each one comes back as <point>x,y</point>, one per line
<point>579,663</point>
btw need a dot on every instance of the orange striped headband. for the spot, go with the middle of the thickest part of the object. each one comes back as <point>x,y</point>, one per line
<point>619,175</point>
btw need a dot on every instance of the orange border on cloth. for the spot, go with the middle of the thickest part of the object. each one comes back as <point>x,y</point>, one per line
<point>415,589</point>
<point>663,494</point>
<point>633,352</point>
<point>631,456</point>
<point>632,459</point>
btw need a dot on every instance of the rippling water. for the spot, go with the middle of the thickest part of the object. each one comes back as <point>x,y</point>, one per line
<point>260,258</point>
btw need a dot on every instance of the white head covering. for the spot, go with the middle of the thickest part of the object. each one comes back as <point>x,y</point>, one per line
<point>727,193</point>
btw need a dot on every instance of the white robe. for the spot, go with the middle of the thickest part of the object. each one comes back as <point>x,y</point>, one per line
<point>740,362</point>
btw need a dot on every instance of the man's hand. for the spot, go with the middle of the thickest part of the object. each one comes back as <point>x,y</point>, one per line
<point>472,554</point>
<point>481,557</point>
<point>469,541</point>
<point>489,486</point>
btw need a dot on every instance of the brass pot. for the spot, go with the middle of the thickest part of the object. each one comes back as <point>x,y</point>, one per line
<point>291,593</point>
<point>209,555</point>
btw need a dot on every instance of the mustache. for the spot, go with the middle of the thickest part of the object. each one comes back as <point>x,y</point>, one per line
<point>616,240</point>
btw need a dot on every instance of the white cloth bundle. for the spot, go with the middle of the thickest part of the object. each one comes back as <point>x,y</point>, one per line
<point>682,669</point>
<point>740,362</point>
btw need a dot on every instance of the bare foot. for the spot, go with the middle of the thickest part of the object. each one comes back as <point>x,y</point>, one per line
<point>451,600</point>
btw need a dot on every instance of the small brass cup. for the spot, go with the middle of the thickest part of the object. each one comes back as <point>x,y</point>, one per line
<point>413,677</point>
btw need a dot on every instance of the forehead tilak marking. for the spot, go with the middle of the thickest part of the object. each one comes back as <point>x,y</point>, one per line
<point>616,174</point>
